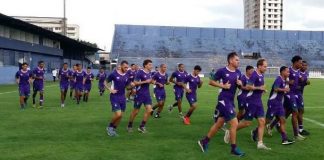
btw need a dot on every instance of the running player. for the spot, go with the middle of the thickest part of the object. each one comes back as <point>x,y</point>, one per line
<point>101,76</point>
<point>191,83</point>
<point>64,76</point>
<point>72,82</point>
<point>131,74</point>
<point>275,105</point>
<point>119,81</point>
<point>87,83</point>
<point>23,79</point>
<point>142,82</point>
<point>161,79</point>
<point>254,106</point>
<point>241,96</point>
<point>177,78</point>
<point>38,84</point>
<point>78,79</point>
<point>227,79</point>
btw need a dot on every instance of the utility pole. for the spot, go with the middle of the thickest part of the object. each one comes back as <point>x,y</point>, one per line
<point>64,18</point>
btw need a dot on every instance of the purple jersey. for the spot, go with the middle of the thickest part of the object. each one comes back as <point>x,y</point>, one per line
<point>192,82</point>
<point>23,77</point>
<point>38,72</point>
<point>88,77</point>
<point>256,80</point>
<point>101,77</point>
<point>294,75</point>
<point>277,96</point>
<point>302,84</point>
<point>119,83</point>
<point>131,75</point>
<point>224,75</point>
<point>78,76</point>
<point>179,77</point>
<point>143,89</point>
<point>242,93</point>
<point>160,78</point>
<point>64,76</point>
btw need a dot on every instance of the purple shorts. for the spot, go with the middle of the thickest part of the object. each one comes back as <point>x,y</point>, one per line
<point>87,87</point>
<point>159,94</point>
<point>38,87</point>
<point>192,98</point>
<point>290,102</point>
<point>178,93</point>
<point>253,110</point>
<point>78,87</point>
<point>241,103</point>
<point>24,91</point>
<point>101,86</point>
<point>300,101</point>
<point>64,86</point>
<point>142,99</point>
<point>72,84</point>
<point>275,109</point>
<point>226,109</point>
<point>118,103</point>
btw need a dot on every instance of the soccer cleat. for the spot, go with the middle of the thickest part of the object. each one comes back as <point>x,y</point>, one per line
<point>40,107</point>
<point>237,152</point>
<point>304,133</point>
<point>129,129</point>
<point>111,132</point>
<point>34,105</point>
<point>227,136</point>
<point>262,146</point>
<point>152,112</point>
<point>300,137</point>
<point>157,116</point>
<point>186,120</point>
<point>141,129</point>
<point>62,105</point>
<point>203,146</point>
<point>181,115</point>
<point>254,136</point>
<point>170,108</point>
<point>287,142</point>
<point>268,130</point>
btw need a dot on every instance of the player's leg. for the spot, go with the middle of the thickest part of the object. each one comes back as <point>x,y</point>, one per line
<point>62,97</point>
<point>161,105</point>
<point>34,96</point>
<point>193,106</point>
<point>111,128</point>
<point>147,114</point>
<point>137,106</point>
<point>260,130</point>
<point>203,143</point>
<point>283,133</point>
<point>41,98</point>
<point>22,102</point>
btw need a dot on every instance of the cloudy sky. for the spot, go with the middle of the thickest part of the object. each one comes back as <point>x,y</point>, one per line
<point>96,18</point>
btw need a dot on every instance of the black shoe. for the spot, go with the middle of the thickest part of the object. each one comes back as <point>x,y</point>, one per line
<point>287,142</point>
<point>304,133</point>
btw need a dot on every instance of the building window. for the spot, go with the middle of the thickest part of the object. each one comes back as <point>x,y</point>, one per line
<point>57,28</point>
<point>275,27</point>
<point>275,16</point>
<point>276,10</point>
<point>269,15</point>
<point>70,28</point>
<point>269,27</point>
<point>275,21</point>
<point>269,10</point>
<point>269,21</point>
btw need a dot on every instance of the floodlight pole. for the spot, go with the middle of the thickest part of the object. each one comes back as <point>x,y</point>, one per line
<point>64,18</point>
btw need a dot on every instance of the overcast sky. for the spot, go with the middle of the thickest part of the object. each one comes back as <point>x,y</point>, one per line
<point>96,18</point>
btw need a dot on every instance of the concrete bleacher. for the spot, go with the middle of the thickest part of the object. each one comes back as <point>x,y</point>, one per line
<point>208,47</point>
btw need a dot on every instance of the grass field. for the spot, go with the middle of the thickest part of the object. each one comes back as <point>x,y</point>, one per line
<point>78,132</point>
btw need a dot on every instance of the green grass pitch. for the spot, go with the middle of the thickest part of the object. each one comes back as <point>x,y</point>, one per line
<point>78,132</point>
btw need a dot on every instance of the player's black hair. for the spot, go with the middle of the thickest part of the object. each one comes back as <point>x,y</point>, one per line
<point>249,67</point>
<point>39,62</point>
<point>260,62</point>
<point>147,61</point>
<point>78,65</point>
<point>197,67</point>
<point>282,68</point>
<point>123,62</point>
<point>88,67</point>
<point>296,59</point>
<point>305,62</point>
<point>132,64</point>
<point>179,65</point>
<point>230,56</point>
<point>65,63</point>
<point>24,64</point>
<point>102,68</point>
<point>161,65</point>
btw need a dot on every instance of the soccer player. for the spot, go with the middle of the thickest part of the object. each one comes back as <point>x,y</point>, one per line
<point>142,82</point>
<point>304,81</point>
<point>241,96</point>
<point>227,79</point>
<point>72,82</point>
<point>101,76</point>
<point>161,79</point>
<point>119,81</point>
<point>177,78</point>
<point>38,84</point>
<point>275,105</point>
<point>64,77</point>
<point>191,83</point>
<point>131,74</point>
<point>78,79</point>
<point>254,106</point>
<point>23,79</point>
<point>87,83</point>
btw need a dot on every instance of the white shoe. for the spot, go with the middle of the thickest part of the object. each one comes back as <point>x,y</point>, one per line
<point>262,146</point>
<point>62,105</point>
<point>181,115</point>
<point>227,136</point>
<point>300,137</point>
<point>268,130</point>
<point>129,129</point>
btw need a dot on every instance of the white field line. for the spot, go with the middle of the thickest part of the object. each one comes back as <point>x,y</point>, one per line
<point>17,91</point>
<point>314,121</point>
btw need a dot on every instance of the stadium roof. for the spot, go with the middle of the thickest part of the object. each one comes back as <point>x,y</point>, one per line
<point>22,25</point>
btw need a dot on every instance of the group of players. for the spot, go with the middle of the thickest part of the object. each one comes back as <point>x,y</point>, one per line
<point>286,96</point>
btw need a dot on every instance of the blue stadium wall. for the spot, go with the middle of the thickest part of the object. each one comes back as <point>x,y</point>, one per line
<point>211,45</point>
